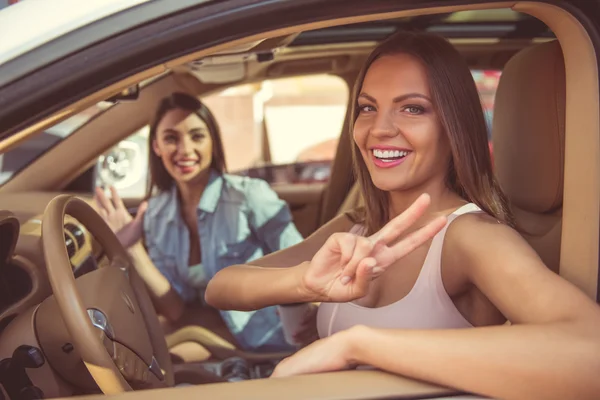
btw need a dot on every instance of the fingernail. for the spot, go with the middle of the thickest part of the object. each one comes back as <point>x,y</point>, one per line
<point>345,280</point>
<point>377,270</point>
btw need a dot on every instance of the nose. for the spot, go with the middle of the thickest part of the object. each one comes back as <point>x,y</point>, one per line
<point>186,145</point>
<point>384,126</point>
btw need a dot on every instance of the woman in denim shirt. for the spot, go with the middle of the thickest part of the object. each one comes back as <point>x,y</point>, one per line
<point>201,220</point>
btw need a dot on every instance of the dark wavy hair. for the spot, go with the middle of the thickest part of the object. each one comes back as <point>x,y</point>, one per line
<point>159,176</point>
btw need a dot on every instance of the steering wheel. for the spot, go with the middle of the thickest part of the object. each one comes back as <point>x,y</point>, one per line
<point>107,312</point>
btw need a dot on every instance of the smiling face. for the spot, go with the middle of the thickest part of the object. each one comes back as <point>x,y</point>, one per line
<point>397,129</point>
<point>184,145</point>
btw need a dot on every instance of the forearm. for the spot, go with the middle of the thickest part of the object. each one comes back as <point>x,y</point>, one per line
<point>246,287</point>
<point>165,298</point>
<point>509,362</point>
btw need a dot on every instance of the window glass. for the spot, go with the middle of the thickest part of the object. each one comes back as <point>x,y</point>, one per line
<point>13,161</point>
<point>487,84</point>
<point>282,130</point>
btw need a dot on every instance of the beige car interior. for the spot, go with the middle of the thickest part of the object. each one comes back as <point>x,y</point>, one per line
<point>546,151</point>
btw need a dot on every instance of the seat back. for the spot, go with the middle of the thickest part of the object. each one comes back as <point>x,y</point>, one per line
<point>528,137</point>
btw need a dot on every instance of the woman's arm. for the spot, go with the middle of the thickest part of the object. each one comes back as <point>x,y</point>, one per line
<point>269,217</point>
<point>273,279</point>
<point>129,231</point>
<point>332,265</point>
<point>166,300</point>
<point>551,350</point>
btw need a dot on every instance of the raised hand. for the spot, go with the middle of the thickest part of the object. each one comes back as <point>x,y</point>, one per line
<point>128,230</point>
<point>344,267</point>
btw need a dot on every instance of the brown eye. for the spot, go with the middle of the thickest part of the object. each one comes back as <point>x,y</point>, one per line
<point>170,139</point>
<point>197,137</point>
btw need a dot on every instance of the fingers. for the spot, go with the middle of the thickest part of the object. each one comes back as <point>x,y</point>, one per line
<point>362,249</point>
<point>363,277</point>
<point>116,199</point>
<point>393,229</point>
<point>344,243</point>
<point>102,201</point>
<point>414,240</point>
<point>103,213</point>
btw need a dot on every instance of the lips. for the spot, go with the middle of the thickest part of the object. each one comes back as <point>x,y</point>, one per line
<point>187,165</point>
<point>388,157</point>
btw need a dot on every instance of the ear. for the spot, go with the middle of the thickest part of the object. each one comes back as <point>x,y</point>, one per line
<point>155,148</point>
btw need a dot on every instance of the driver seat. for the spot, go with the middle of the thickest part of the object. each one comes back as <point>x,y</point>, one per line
<point>201,335</point>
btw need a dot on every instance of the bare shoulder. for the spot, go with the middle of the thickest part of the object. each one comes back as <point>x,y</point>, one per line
<point>475,237</point>
<point>479,227</point>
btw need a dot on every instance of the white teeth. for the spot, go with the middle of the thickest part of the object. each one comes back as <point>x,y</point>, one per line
<point>389,154</point>
<point>186,163</point>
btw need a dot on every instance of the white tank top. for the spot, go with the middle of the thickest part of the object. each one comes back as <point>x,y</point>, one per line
<point>426,306</point>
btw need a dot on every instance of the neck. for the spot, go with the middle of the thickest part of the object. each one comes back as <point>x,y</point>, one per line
<point>442,200</point>
<point>190,193</point>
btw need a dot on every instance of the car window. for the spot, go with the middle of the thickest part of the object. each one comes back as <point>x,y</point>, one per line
<point>282,130</point>
<point>13,161</point>
<point>487,83</point>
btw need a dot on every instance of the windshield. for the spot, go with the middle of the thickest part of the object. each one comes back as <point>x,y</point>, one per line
<point>13,161</point>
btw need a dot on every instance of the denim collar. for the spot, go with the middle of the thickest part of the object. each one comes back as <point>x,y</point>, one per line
<point>208,202</point>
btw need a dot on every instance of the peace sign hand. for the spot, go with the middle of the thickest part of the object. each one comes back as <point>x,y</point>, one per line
<point>344,267</point>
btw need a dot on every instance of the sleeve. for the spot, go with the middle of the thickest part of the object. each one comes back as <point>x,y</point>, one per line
<point>270,217</point>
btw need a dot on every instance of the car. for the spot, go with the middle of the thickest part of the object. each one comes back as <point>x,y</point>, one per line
<point>78,85</point>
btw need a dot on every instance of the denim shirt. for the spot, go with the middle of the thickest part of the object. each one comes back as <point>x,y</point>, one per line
<point>239,219</point>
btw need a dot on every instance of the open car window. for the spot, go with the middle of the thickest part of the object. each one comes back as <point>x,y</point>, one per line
<point>13,161</point>
<point>289,127</point>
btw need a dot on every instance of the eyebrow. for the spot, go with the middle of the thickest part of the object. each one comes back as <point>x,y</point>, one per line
<point>399,98</point>
<point>176,132</point>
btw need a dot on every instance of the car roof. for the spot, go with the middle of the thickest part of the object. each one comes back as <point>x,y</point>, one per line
<point>31,24</point>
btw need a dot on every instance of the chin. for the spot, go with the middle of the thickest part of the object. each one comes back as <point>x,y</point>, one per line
<point>388,185</point>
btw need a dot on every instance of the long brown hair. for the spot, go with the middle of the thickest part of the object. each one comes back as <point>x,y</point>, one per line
<point>457,103</point>
<point>159,176</point>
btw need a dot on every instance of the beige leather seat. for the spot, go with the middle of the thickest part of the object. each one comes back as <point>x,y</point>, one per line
<point>528,136</point>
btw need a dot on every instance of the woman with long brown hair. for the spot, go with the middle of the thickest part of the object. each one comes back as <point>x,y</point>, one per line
<point>422,280</point>
<point>200,220</point>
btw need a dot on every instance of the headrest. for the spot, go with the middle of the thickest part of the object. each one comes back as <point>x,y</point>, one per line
<point>529,128</point>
